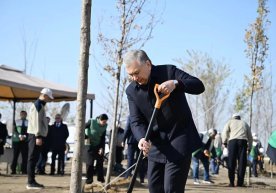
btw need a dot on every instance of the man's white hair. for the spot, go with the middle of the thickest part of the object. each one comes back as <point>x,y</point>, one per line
<point>135,55</point>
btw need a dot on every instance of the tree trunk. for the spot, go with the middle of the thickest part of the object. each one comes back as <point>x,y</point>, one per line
<point>76,172</point>
<point>112,152</point>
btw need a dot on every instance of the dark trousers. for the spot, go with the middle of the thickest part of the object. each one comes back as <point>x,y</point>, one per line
<point>237,152</point>
<point>33,155</point>
<point>168,177</point>
<point>93,155</point>
<point>61,157</point>
<point>20,147</point>
<point>119,154</point>
<point>132,150</point>
<point>43,157</point>
<point>254,167</point>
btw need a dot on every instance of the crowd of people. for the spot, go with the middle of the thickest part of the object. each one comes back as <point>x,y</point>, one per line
<point>33,137</point>
<point>174,142</point>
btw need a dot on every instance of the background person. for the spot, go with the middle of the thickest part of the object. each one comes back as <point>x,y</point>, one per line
<point>238,139</point>
<point>133,152</point>
<point>37,129</point>
<point>95,132</point>
<point>43,157</point>
<point>204,154</point>
<point>3,135</point>
<point>58,135</point>
<point>20,143</point>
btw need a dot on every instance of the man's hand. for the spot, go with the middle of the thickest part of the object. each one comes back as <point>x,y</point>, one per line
<point>38,141</point>
<point>144,146</point>
<point>100,152</point>
<point>123,144</point>
<point>166,87</point>
<point>206,153</point>
<point>22,137</point>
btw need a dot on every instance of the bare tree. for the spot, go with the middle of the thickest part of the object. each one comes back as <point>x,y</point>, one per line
<point>264,108</point>
<point>241,101</point>
<point>256,51</point>
<point>213,74</point>
<point>76,171</point>
<point>131,33</point>
<point>29,52</point>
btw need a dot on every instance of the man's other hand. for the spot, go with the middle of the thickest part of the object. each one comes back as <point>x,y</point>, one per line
<point>144,146</point>
<point>38,141</point>
<point>101,151</point>
<point>166,87</point>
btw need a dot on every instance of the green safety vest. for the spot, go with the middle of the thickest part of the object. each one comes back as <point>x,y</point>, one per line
<point>272,139</point>
<point>95,132</point>
<point>15,135</point>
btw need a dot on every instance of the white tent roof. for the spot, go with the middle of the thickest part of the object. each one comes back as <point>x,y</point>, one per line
<point>17,86</point>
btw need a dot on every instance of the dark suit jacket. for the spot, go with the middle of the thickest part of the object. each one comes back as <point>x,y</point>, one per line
<point>3,136</point>
<point>128,134</point>
<point>57,137</point>
<point>174,133</point>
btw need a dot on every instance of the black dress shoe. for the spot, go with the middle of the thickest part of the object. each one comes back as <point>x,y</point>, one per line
<point>89,181</point>
<point>101,180</point>
<point>60,173</point>
<point>41,173</point>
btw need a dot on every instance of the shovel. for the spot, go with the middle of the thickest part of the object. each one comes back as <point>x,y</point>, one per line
<point>157,106</point>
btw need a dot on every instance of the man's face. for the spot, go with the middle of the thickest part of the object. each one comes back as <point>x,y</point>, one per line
<point>23,115</point>
<point>102,122</point>
<point>139,72</point>
<point>45,98</point>
<point>58,119</point>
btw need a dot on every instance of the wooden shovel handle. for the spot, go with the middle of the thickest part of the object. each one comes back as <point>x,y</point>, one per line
<point>159,100</point>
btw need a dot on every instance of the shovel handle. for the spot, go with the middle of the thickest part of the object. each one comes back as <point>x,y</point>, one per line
<point>159,100</point>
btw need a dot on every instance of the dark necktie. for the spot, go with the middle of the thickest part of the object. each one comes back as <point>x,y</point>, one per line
<point>23,124</point>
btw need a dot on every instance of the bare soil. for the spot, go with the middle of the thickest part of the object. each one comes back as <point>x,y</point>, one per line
<point>60,184</point>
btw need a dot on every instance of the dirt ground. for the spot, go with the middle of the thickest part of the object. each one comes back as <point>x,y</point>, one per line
<point>60,184</point>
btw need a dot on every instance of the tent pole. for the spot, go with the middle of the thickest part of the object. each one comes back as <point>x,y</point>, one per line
<point>13,115</point>
<point>91,108</point>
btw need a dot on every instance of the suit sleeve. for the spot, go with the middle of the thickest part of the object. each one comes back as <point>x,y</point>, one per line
<point>127,130</point>
<point>66,132</point>
<point>102,143</point>
<point>187,83</point>
<point>4,134</point>
<point>137,121</point>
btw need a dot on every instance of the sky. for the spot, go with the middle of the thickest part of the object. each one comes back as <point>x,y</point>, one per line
<point>51,30</point>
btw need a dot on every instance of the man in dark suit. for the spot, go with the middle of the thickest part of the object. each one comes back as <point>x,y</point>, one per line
<point>174,135</point>
<point>58,134</point>
<point>3,136</point>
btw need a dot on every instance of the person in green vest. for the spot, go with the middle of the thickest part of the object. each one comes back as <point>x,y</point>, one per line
<point>254,154</point>
<point>271,148</point>
<point>20,143</point>
<point>95,131</point>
